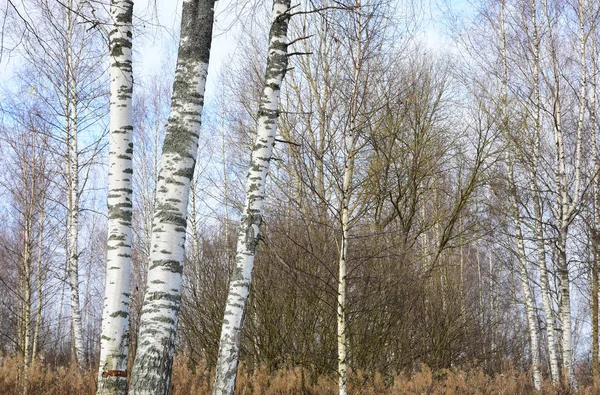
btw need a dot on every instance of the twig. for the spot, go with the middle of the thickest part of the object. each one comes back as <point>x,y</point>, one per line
<point>298,53</point>
<point>288,142</point>
<point>317,10</point>
<point>299,39</point>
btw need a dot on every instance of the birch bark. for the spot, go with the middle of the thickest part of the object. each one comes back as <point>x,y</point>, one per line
<point>29,182</point>
<point>546,301</point>
<point>341,298</point>
<point>350,143</point>
<point>72,167</point>
<point>537,207</point>
<point>114,342</point>
<point>151,373</point>
<point>545,284</point>
<point>596,222</point>
<point>231,332</point>
<point>38,319</point>
<point>567,198</point>
<point>527,293</point>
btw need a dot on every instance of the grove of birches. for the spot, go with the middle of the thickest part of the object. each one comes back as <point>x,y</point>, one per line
<point>375,197</point>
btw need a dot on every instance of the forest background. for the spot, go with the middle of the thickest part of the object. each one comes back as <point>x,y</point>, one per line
<point>467,229</point>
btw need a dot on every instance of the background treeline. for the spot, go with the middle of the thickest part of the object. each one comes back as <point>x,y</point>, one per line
<point>473,210</point>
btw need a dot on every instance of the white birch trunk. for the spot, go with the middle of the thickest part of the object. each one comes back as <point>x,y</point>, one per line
<point>73,229</point>
<point>61,303</point>
<point>350,143</point>
<point>38,316</point>
<point>596,220</point>
<point>565,308</point>
<point>530,313</point>
<point>231,332</point>
<point>72,164</point>
<point>463,302</point>
<point>539,220</point>
<point>566,205</point>
<point>569,205</point>
<point>114,347</point>
<point>527,294</point>
<point>341,298</point>
<point>27,259</point>
<point>151,373</point>
<point>567,209</point>
<point>492,301</point>
<point>545,289</point>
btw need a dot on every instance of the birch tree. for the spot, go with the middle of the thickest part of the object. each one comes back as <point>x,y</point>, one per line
<point>595,228</point>
<point>26,182</point>
<point>112,374</point>
<point>548,143</point>
<point>151,114</point>
<point>528,298</point>
<point>351,146</point>
<point>61,57</point>
<point>72,176</point>
<point>249,233</point>
<point>538,215</point>
<point>537,211</point>
<point>567,197</point>
<point>151,372</point>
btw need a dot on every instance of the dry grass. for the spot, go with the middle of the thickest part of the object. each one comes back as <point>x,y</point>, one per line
<point>188,379</point>
<point>43,380</point>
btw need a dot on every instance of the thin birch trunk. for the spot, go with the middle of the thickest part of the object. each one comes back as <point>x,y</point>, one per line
<point>595,225</point>
<point>193,226</point>
<point>38,316</point>
<point>463,301</point>
<point>114,342</point>
<point>27,319</point>
<point>228,251</point>
<point>341,297</point>
<point>492,302</point>
<point>151,373</point>
<point>594,306</point>
<point>538,214</point>
<point>61,303</point>
<point>437,241</point>
<point>527,293</point>
<point>546,301</point>
<point>73,189</point>
<point>86,292</point>
<point>350,143</point>
<point>545,289</point>
<point>566,204</point>
<point>231,333</point>
<point>73,269</point>
<point>479,285</point>
<point>29,183</point>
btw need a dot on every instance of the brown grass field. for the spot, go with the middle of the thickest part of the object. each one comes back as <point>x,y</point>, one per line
<point>46,380</point>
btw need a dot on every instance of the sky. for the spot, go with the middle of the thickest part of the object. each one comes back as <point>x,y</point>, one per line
<point>158,22</point>
<point>157,25</point>
<point>157,37</point>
